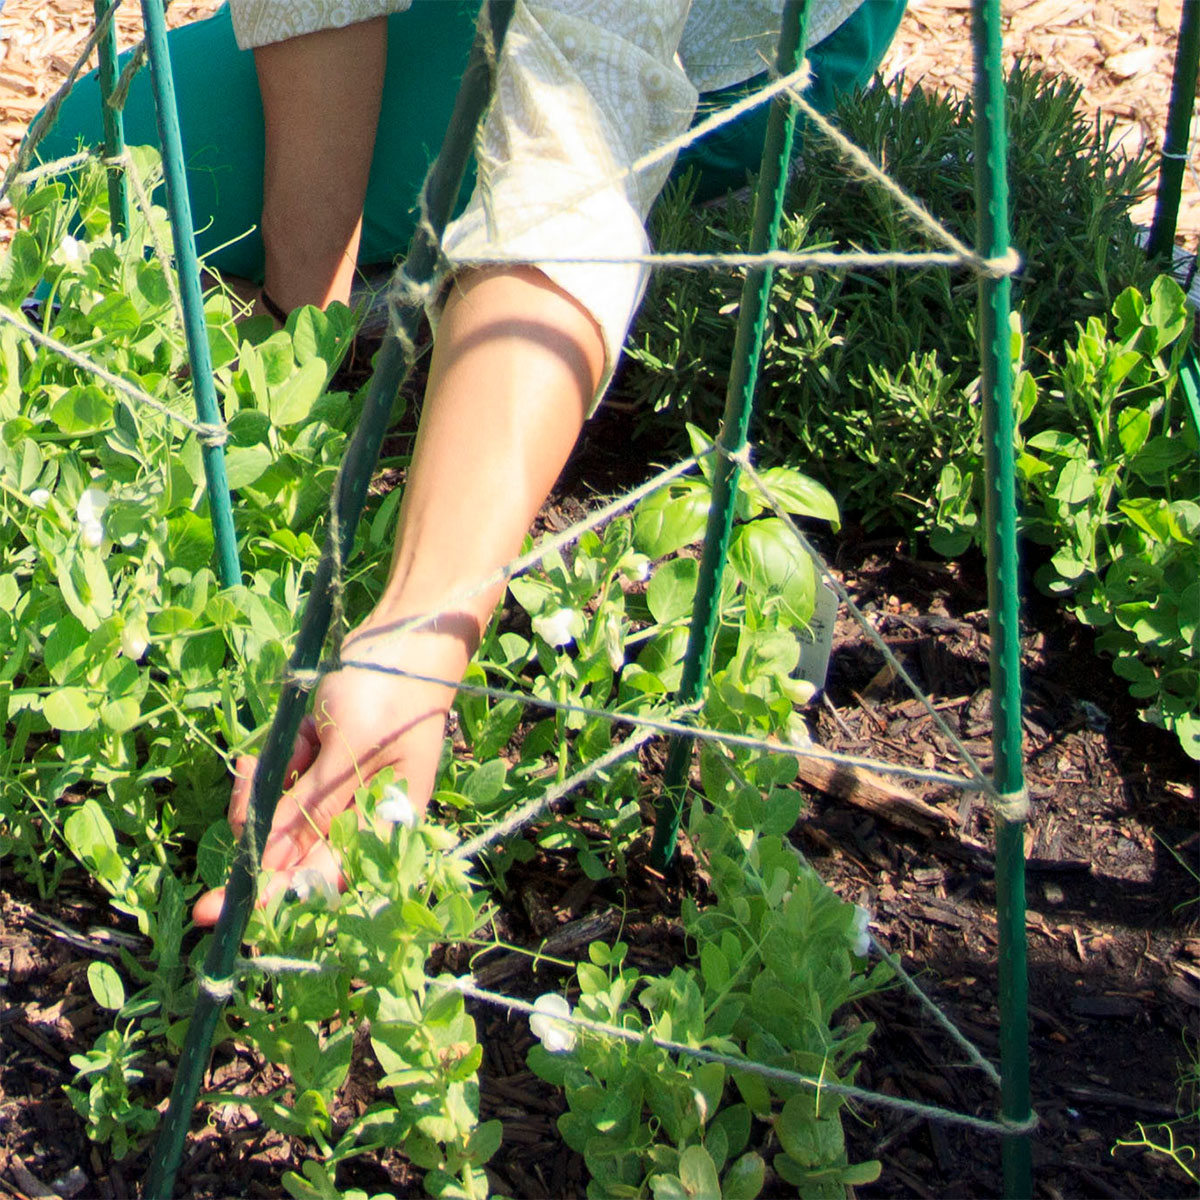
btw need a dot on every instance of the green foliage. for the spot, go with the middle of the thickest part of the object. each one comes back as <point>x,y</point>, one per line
<point>130,675</point>
<point>337,960</point>
<point>1176,1140</point>
<point>776,960</point>
<point>869,380</point>
<point>110,1107</point>
<point>598,643</point>
<point>134,678</point>
<point>867,377</point>
<point>127,664</point>
<point>1107,471</point>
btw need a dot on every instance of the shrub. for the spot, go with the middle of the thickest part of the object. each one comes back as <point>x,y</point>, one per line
<point>867,378</point>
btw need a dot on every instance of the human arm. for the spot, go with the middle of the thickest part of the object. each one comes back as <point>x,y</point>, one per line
<point>520,356</point>
<point>514,369</point>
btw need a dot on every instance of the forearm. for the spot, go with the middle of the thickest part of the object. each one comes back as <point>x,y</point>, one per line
<point>515,366</point>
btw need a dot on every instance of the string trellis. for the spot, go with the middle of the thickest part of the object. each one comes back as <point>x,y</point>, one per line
<point>992,262</point>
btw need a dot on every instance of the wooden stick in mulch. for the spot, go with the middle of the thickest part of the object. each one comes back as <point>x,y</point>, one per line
<point>875,794</point>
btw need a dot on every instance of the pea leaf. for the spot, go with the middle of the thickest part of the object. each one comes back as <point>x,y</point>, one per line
<point>698,1174</point>
<point>82,409</point>
<point>215,853</point>
<point>70,709</point>
<point>744,1179</point>
<point>672,589</point>
<point>106,985</point>
<point>244,465</point>
<point>189,541</point>
<point>293,400</point>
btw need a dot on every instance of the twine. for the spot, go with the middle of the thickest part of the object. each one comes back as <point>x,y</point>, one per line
<point>932,1112</point>
<point>278,965</point>
<point>927,1003</point>
<point>536,808</point>
<point>524,562</point>
<point>794,260</point>
<point>218,989</point>
<point>309,679</point>
<point>208,435</point>
<point>58,166</point>
<point>1011,806</point>
<point>165,255</point>
<point>857,157</point>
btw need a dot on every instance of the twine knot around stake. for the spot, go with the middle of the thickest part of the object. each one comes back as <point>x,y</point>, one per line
<point>1011,806</point>
<point>1028,1125</point>
<point>218,989</point>
<point>408,293</point>
<point>212,435</point>
<point>1000,267</point>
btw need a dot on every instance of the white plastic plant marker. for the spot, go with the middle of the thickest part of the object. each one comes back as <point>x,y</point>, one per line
<point>816,643</point>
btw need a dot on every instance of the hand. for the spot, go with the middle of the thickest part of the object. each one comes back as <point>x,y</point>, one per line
<point>361,722</point>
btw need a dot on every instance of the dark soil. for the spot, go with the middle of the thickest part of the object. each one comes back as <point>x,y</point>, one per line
<point>1114,939</point>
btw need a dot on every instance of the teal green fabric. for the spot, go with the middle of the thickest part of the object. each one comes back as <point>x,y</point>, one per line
<point>840,63</point>
<point>222,126</point>
<point>220,114</point>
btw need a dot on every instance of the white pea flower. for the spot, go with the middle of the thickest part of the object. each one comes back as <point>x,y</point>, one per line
<point>135,640</point>
<point>310,883</point>
<point>91,504</point>
<point>90,514</point>
<point>69,249</point>
<point>862,936</point>
<point>559,627</point>
<point>553,1034</point>
<point>396,808</point>
<point>39,497</point>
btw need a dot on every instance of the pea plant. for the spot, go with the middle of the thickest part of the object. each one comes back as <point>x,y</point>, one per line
<point>134,679</point>
<point>777,955</point>
<point>1107,468</point>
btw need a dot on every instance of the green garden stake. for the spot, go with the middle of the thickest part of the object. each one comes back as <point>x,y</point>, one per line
<point>183,234</point>
<point>350,491</point>
<point>991,189</point>
<point>114,122</point>
<point>1175,141</point>
<point>735,422</point>
<point>1184,81</point>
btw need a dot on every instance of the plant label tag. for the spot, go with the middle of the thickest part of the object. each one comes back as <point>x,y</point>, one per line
<point>816,643</point>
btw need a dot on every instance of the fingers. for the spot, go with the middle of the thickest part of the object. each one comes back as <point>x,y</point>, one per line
<point>304,752</point>
<point>239,794</point>
<point>319,858</point>
<point>208,908</point>
<point>318,863</point>
<point>324,790</point>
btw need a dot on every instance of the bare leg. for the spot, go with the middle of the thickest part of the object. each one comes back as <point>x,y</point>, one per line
<point>321,95</point>
<point>515,367</point>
